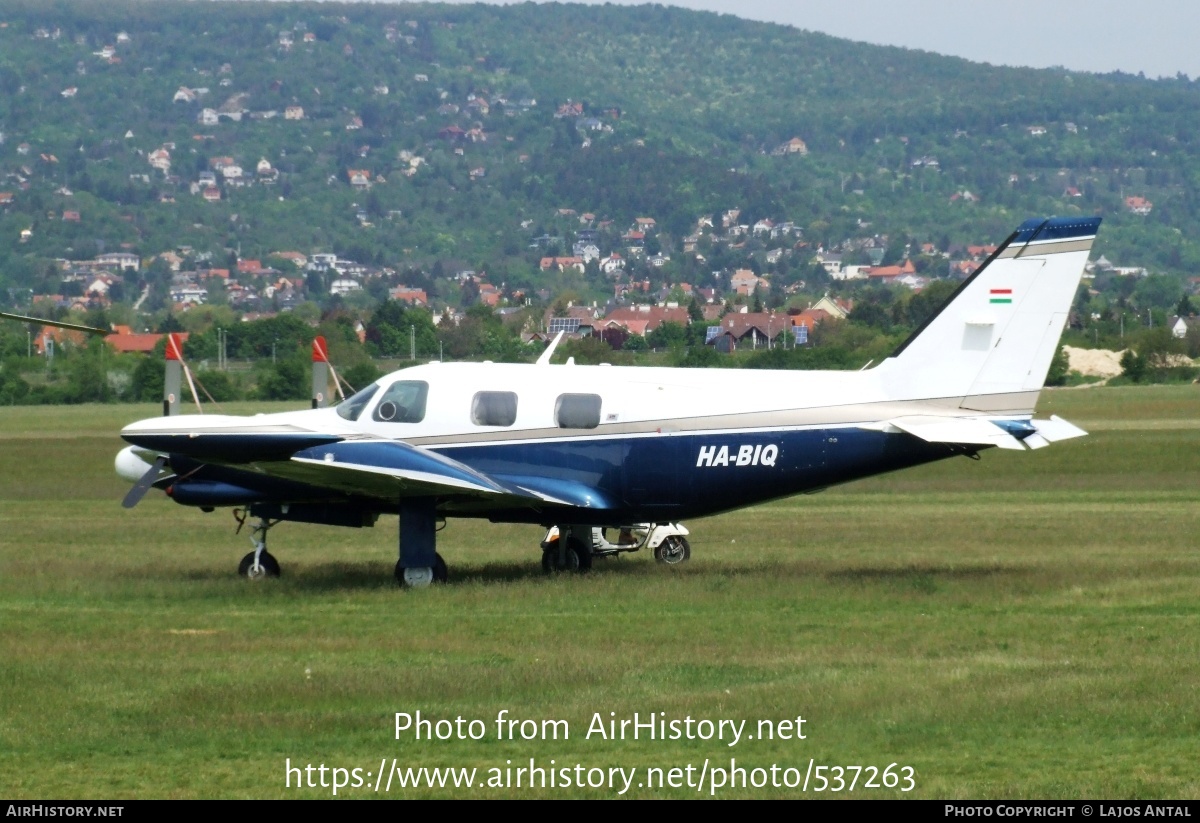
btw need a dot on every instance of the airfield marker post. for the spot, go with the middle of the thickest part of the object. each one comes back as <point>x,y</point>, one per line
<point>320,373</point>
<point>173,381</point>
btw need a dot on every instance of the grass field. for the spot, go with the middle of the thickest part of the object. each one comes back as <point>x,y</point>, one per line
<point>1023,626</point>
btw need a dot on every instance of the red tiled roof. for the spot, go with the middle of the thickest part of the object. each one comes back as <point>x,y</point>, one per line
<point>142,343</point>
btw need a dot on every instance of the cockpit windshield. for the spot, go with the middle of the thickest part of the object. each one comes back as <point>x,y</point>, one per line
<point>353,406</point>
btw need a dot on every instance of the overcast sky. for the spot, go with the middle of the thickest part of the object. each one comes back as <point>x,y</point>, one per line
<point>1157,37</point>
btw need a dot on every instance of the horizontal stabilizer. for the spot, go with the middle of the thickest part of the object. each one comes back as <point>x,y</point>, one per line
<point>964,430</point>
<point>1056,429</point>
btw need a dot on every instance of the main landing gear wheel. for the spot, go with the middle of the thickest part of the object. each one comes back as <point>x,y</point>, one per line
<point>673,551</point>
<point>420,578</point>
<point>577,559</point>
<point>268,566</point>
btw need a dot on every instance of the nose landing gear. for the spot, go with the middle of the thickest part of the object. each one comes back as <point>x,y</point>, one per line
<point>260,563</point>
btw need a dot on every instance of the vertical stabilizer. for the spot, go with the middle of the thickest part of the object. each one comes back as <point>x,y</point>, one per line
<point>991,344</point>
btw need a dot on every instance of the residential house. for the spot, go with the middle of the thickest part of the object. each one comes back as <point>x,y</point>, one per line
<point>836,307</point>
<point>174,261</point>
<point>161,160</point>
<point>189,295</point>
<point>744,282</point>
<point>562,264</point>
<point>749,329</point>
<point>890,274</point>
<point>793,146</point>
<point>407,294</point>
<point>645,319</point>
<point>489,295</point>
<point>612,264</point>
<point>125,341</point>
<point>1138,205</point>
<point>586,251</point>
<point>295,257</point>
<point>266,172</point>
<point>120,260</point>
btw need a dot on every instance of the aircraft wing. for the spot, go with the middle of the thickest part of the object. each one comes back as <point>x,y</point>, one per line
<point>390,469</point>
<point>364,466</point>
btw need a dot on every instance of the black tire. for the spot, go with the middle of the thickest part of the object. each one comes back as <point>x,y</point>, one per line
<point>578,557</point>
<point>266,561</point>
<point>441,572</point>
<point>673,551</point>
<point>550,560</point>
<point>584,552</point>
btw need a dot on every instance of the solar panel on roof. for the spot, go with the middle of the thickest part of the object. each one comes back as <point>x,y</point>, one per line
<point>570,325</point>
<point>712,332</point>
<point>801,333</point>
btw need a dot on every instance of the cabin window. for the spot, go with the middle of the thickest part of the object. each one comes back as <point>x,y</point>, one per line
<point>352,406</point>
<point>577,411</point>
<point>494,408</point>
<point>403,402</point>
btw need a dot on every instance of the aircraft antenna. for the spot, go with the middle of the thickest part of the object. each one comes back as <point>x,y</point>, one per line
<point>544,360</point>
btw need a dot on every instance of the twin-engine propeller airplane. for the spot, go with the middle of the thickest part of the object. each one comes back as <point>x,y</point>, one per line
<point>633,449</point>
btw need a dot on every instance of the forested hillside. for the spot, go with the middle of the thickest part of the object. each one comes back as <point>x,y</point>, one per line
<point>471,126</point>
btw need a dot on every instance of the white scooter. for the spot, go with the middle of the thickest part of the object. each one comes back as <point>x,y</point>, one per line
<point>668,541</point>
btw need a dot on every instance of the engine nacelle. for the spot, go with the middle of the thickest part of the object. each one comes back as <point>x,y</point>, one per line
<point>211,493</point>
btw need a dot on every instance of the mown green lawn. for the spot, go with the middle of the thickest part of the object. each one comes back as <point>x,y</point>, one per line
<point>1022,626</point>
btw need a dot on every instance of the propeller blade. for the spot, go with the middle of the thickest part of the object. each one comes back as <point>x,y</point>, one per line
<point>144,483</point>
